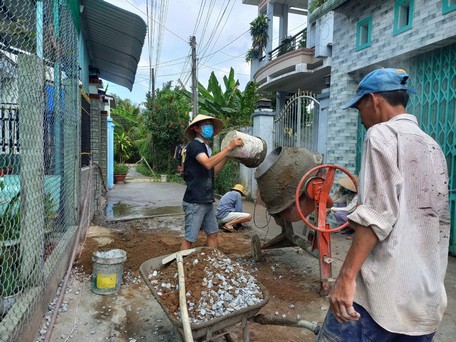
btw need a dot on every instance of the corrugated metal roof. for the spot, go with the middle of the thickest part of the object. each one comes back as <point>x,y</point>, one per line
<point>115,39</point>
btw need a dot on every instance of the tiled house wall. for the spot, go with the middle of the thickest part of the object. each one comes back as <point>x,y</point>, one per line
<point>431,29</point>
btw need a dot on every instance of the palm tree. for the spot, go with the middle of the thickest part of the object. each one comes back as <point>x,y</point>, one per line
<point>259,34</point>
<point>233,106</point>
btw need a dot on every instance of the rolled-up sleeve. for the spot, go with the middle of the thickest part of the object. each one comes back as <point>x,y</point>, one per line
<point>380,183</point>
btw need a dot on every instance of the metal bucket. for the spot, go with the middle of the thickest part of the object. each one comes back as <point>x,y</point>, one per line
<point>107,270</point>
<point>279,175</point>
<point>251,154</point>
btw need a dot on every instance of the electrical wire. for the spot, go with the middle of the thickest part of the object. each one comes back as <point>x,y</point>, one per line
<point>206,57</point>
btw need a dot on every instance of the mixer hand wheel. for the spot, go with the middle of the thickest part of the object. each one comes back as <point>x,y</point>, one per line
<point>318,189</point>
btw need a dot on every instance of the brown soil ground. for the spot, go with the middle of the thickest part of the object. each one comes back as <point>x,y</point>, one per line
<point>293,287</point>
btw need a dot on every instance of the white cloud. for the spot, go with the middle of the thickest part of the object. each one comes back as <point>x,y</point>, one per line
<point>179,26</point>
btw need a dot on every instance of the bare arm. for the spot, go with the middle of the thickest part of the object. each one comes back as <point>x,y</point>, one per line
<point>219,158</point>
<point>341,297</point>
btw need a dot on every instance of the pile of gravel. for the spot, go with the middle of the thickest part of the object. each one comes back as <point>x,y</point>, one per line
<point>215,286</point>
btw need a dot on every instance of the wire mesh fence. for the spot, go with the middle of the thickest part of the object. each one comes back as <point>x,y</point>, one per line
<point>38,151</point>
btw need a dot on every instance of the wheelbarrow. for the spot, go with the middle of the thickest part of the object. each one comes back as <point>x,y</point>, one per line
<point>294,185</point>
<point>214,327</point>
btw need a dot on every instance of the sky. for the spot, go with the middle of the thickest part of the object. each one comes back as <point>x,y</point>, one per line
<point>221,29</point>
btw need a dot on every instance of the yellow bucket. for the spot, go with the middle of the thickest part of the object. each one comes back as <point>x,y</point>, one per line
<point>107,270</point>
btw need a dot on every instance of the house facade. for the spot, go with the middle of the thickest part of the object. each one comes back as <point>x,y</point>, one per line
<point>416,35</point>
<point>345,41</point>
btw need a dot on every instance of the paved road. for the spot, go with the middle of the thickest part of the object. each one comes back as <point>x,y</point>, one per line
<point>139,197</point>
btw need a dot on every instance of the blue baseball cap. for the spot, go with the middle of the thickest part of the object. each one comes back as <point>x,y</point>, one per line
<point>385,79</point>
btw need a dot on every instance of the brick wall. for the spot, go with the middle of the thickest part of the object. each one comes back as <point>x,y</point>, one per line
<point>431,30</point>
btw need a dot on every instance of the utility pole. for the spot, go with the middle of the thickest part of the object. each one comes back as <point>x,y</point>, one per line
<point>194,77</point>
<point>153,83</point>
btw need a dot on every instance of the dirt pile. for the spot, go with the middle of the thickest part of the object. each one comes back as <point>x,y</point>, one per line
<point>215,286</point>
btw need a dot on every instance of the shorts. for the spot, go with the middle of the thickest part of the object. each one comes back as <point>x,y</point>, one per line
<point>364,329</point>
<point>233,216</point>
<point>199,217</point>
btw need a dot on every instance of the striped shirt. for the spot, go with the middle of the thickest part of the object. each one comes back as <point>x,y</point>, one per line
<point>403,195</point>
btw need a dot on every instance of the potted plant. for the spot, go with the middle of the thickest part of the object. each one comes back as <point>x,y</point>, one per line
<point>120,172</point>
<point>259,34</point>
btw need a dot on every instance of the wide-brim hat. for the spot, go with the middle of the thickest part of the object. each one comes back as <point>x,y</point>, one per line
<point>217,123</point>
<point>239,188</point>
<point>380,80</point>
<point>347,183</point>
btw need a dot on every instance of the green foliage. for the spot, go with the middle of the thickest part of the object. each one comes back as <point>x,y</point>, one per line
<point>230,105</point>
<point>315,4</point>
<point>10,282</point>
<point>227,177</point>
<point>122,146</point>
<point>303,41</point>
<point>10,220</point>
<point>259,34</point>
<point>165,120</point>
<point>128,130</point>
<point>120,169</point>
<point>288,44</point>
<point>9,247</point>
<point>252,54</point>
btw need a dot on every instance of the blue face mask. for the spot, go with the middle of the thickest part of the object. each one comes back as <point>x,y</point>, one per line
<point>207,131</point>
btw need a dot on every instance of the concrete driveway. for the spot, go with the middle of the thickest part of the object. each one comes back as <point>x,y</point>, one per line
<point>144,199</point>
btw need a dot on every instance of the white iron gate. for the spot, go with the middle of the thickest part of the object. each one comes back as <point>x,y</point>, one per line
<point>297,123</point>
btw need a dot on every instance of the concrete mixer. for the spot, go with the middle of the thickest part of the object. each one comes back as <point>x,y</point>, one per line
<point>294,185</point>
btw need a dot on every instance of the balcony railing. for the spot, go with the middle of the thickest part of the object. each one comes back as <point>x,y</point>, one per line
<point>298,41</point>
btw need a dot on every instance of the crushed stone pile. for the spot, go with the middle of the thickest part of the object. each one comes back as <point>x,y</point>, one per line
<point>215,286</point>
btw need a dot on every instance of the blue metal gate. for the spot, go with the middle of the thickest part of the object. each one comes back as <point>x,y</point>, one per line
<point>433,75</point>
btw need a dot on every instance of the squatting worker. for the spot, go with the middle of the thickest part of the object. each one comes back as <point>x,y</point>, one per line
<point>200,167</point>
<point>229,210</point>
<point>391,284</point>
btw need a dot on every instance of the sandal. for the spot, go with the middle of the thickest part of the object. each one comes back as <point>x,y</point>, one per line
<point>228,227</point>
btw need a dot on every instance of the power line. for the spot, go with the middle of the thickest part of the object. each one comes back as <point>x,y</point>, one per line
<point>175,34</point>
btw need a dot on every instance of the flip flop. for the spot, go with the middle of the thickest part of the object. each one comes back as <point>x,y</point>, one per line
<point>228,227</point>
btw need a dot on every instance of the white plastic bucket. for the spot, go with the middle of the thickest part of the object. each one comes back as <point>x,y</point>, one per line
<point>107,270</point>
<point>251,154</point>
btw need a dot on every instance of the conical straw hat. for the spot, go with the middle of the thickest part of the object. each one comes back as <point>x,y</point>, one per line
<point>239,188</point>
<point>347,183</point>
<point>217,123</point>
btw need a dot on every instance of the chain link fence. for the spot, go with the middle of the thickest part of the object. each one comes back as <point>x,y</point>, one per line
<point>39,163</point>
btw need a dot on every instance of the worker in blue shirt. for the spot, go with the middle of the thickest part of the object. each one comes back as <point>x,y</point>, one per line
<point>229,210</point>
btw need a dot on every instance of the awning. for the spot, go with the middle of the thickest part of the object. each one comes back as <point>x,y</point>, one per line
<point>114,39</point>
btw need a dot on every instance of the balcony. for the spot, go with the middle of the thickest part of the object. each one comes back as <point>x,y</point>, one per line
<point>291,67</point>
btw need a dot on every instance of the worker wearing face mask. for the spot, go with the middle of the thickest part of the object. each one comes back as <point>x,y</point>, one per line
<point>199,169</point>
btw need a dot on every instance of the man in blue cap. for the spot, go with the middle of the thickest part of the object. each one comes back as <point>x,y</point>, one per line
<point>391,284</point>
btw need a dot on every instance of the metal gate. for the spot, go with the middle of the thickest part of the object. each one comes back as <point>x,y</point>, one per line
<point>433,75</point>
<point>294,126</point>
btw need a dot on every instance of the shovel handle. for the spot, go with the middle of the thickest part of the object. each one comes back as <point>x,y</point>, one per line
<point>183,299</point>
